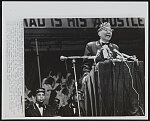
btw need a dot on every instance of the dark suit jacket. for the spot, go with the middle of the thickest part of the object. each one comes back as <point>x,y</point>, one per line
<point>33,111</point>
<point>91,50</point>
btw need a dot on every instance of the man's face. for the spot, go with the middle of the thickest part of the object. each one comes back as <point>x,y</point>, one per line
<point>40,97</point>
<point>105,34</point>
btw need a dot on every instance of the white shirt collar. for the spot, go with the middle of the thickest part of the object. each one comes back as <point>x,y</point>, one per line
<point>40,109</point>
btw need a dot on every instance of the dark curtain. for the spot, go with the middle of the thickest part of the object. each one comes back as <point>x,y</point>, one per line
<point>110,90</point>
<point>31,72</point>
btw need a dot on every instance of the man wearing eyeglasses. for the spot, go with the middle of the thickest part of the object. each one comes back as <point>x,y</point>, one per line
<point>105,51</point>
<point>102,48</point>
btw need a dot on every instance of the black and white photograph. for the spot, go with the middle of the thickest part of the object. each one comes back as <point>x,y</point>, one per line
<point>78,67</point>
<point>75,60</point>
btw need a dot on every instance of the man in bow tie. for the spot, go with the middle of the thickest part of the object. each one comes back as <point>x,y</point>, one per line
<point>102,48</point>
<point>38,109</point>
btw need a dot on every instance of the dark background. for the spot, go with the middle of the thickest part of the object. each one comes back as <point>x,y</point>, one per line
<point>71,42</point>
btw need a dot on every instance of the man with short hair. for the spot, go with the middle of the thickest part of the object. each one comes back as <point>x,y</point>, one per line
<point>38,109</point>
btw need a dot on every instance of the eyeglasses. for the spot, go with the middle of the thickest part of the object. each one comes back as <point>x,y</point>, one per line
<point>106,29</point>
<point>111,30</point>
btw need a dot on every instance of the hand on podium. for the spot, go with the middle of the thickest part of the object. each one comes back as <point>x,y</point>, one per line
<point>84,77</point>
<point>83,81</point>
<point>98,56</point>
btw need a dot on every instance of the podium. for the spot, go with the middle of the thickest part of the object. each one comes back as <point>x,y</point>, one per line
<point>115,89</point>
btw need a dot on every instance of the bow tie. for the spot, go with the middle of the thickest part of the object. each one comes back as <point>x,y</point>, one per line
<point>41,105</point>
<point>104,43</point>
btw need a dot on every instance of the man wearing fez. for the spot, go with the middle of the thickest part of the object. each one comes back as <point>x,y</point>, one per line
<point>38,109</point>
<point>102,48</point>
<point>105,51</point>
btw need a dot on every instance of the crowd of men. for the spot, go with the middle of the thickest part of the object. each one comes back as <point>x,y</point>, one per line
<point>58,96</point>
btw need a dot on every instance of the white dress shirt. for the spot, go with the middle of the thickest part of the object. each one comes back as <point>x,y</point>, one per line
<point>40,109</point>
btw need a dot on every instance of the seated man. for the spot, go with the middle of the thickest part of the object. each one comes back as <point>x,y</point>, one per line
<point>38,109</point>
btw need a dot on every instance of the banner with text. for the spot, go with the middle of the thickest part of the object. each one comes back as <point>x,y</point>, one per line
<point>83,22</point>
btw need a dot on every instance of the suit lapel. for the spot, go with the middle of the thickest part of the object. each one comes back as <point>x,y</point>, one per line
<point>98,46</point>
<point>44,111</point>
<point>37,110</point>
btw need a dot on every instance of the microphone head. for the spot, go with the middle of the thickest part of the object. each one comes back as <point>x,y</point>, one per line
<point>62,58</point>
<point>116,51</point>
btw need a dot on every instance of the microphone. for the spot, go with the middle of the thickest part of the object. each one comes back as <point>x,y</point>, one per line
<point>115,50</point>
<point>130,57</point>
<point>62,58</point>
<point>106,52</point>
<point>124,55</point>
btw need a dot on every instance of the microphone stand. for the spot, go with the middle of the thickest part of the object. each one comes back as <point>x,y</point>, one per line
<point>73,62</point>
<point>62,58</point>
<point>38,62</point>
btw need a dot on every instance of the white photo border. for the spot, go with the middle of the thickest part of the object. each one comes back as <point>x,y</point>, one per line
<point>16,11</point>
